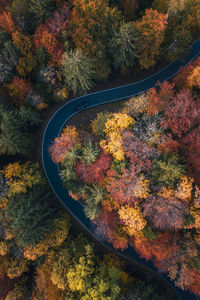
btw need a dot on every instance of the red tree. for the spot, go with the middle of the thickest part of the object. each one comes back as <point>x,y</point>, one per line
<point>108,228</point>
<point>68,138</point>
<point>158,100</point>
<point>159,249</point>
<point>139,153</point>
<point>6,22</point>
<point>181,114</point>
<point>95,172</point>
<point>166,213</point>
<point>191,151</point>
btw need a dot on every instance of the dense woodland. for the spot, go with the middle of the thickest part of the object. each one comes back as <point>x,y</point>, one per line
<point>136,170</point>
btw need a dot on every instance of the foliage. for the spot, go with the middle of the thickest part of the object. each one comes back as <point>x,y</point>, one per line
<point>90,152</point>
<point>123,45</point>
<point>165,211</point>
<point>132,218</point>
<point>94,172</point>
<point>41,10</point>
<point>183,105</point>
<point>193,78</point>
<point>21,15</point>
<point>8,61</point>
<point>167,170</point>
<point>113,128</point>
<point>94,197</point>
<point>176,7</point>
<point>98,124</point>
<point>68,138</point>
<point>92,36</point>
<point>136,105</point>
<point>77,70</point>
<point>30,216</point>
<point>21,177</point>
<point>150,36</point>
<point>15,125</point>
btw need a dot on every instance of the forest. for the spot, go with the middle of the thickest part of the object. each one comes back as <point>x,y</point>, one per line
<point>136,170</point>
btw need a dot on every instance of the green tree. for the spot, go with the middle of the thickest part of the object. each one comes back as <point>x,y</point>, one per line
<point>181,42</point>
<point>20,12</point>
<point>15,126</point>
<point>3,187</point>
<point>90,152</point>
<point>167,169</point>
<point>78,71</point>
<point>41,10</point>
<point>123,45</point>
<point>8,61</point>
<point>95,195</point>
<point>91,28</point>
<point>30,215</point>
<point>99,124</point>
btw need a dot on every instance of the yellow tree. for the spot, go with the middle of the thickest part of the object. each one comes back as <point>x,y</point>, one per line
<point>114,126</point>
<point>193,79</point>
<point>20,177</point>
<point>132,218</point>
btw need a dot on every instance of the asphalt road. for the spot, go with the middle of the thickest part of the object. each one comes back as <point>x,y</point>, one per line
<point>63,114</point>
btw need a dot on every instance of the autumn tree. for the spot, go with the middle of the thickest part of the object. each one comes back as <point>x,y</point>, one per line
<point>78,71</point>
<point>194,78</point>
<point>132,219</point>
<point>135,105</point>
<point>21,177</point>
<point>175,7</point>
<point>68,138</point>
<point>158,99</point>
<point>94,172</point>
<point>181,114</point>
<point>159,249</point>
<point>139,153</point>
<point>190,149</point>
<point>92,37</point>
<point>165,211</point>
<point>150,37</point>
<point>113,128</point>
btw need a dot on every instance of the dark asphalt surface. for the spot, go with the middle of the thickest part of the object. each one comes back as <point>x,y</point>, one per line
<point>58,121</point>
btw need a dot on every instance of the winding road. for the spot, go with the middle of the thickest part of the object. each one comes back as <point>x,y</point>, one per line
<point>58,121</point>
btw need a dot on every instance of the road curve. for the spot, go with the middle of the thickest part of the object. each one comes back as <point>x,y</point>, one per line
<point>63,114</point>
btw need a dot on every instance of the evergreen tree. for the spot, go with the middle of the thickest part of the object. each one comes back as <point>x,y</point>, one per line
<point>78,71</point>
<point>15,126</point>
<point>41,10</point>
<point>123,45</point>
<point>20,12</point>
<point>90,152</point>
<point>167,170</point>
<point>8,61</point>
<point>95,195</point>
<point>30,215</point>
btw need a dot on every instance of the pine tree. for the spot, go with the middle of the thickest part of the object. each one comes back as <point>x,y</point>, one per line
<point>123,45</point>
<point>78,71</point>
<point>30,215</point>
